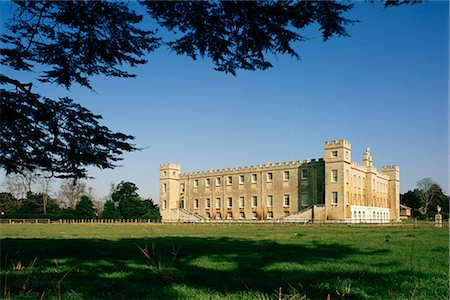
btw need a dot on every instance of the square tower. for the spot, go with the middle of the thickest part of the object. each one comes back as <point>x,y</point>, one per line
<point>337,161</point>
<point>169,189</point>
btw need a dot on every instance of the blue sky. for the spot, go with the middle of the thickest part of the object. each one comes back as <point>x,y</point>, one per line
<point>386,86</point>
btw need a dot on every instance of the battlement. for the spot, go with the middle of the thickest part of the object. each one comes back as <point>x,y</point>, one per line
<point>169,166</point>
<point>390,168</point>
<point>337,143</point>
<point>267,166</point>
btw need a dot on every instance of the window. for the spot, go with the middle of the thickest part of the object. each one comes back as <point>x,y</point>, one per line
<point>196,203</point>
<point>254,201</point>
<point>346,198</point>
<point>241,179</point>
<point>164,204</point>
<point>334,153</point>
<point>218,216</point>
<point>286,175</point>
<point>241,215</point>
<point>304,174</point>
<point>230,216</point>
<point>164,187</point>
<point>182,204</point>
<point>207,181</point>
<point>305,199</point>
<point>334,198</point>
<point>208,215</point>
<point>241,202</point>
<point>286,201</point>
<point>269,215</point>
<point>229,180</point>
<point>254,215</point>
<point>196,183</point>
<point>208,203</point>
<point>253,178</point>
<point>182,188</point>
<point>174,173</point>
<point>269,201</point>
<point>230,202</point>
<point>218,181</point>
<point>347,176</point>
<point>269,177</point>
<point>334,175</point>
<point>164,173</point>
<point>218,203</point>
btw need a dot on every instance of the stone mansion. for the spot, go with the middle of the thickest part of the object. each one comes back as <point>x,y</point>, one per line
<point>331,189</point>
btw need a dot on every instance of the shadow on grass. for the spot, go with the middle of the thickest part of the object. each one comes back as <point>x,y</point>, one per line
<point>213,266</point>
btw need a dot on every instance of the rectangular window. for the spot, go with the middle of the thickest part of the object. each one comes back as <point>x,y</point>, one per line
<point>334,197</point>
<point>230,216</point>
<point>218,216</point>
<point>305,199</point>
<point>218,203</point>
<point>334,175</point>
<point>269,177</point>
<point>347,176</point>
<point>182,204</point>
<point>286,201</point>
<point>196,203</point>
<point>164,173</point>
<point>218,181</point>
<point>207,182</point>
<point>286,175</point>
<point>208,203</point>
<point>230,202</point>
<point>241,179</point>
<point>334,153</point>
<point>241,215</point>
<point>269,201</point>
<point>196,183</point>
<point>254,215</point>
<point>269,215</point>
<point>229,180</point>
<point>182,187</point>
<point>304,174</point>
<point>254,201</point>
<point>164,187</point>
<point>241,202</point>
<point>164,204</point>
<point>208,215</point>
<point>253,178</point>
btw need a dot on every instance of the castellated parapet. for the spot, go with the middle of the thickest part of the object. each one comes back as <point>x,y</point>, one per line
<point>266,166</point>
<point>329,188</point>
<point>338,143</point>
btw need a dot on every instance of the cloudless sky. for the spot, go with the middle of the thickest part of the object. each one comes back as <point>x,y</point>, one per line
<point>385,87</point>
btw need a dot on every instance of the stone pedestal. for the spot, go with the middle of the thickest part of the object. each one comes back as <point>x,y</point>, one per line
<point>438,220</point>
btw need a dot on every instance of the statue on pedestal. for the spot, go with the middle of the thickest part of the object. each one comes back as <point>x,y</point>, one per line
<point>438,218</point>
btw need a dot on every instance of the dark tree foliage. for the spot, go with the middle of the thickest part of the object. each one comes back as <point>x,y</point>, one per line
<point>58,136</point>
<point>67,42</point>
<point>131,205</point>
<point>110,210</point>
<point>8,203</point>
<point>239,34</point>
<point>70,41</point>
<point>84,208</point>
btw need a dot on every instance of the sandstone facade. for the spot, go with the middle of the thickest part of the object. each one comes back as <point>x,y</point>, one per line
<point>329,188</point>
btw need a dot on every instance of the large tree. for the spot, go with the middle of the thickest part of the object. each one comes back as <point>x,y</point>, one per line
<point>85,208</point>
<point>67,42</point>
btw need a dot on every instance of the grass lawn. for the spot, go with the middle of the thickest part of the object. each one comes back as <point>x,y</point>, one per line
<point>113,261</point>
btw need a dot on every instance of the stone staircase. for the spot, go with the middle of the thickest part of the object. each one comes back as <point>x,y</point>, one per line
<point>306,214</point>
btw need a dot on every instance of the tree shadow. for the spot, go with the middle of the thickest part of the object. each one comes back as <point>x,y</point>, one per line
<point>110,269</point>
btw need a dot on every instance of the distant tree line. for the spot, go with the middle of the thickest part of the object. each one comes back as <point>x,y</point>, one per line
<point>425,199</point>
<point>75,201</point>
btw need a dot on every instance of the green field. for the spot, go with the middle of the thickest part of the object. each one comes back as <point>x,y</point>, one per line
<point>264,261</point>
